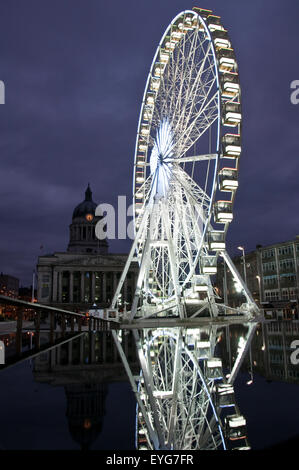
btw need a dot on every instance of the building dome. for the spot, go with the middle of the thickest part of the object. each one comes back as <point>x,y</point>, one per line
<point>88,206</point>
<point>83,237</point>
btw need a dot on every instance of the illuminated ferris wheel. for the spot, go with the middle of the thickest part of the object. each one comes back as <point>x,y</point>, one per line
<point>185,180</point>
<point>186,167</point>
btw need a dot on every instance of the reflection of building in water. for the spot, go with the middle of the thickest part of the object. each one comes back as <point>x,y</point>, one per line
<point>84,367</point>
<point>85,411</point>
<point>271,350</point>
<point>86,272</point>
<point>272,275</point>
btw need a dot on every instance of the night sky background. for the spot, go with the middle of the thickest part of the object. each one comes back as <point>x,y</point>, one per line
<point>75,72</point>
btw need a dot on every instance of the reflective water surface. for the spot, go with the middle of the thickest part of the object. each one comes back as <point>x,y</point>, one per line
<point>77,395</point>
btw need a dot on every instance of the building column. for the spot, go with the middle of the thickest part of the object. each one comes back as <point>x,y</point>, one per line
<point>93,349</point>
<point>104,287</point>
<point>70,352</point>
<point>295,270</point>
<point>54,286</point>
<point>82,286</point>
<point>104,348</point>
<point>71,286</point>
<point>114,283</point>
<point>277,274</point>
<point>52,358</point>
<point>81,349</point>
<point>93,286</point>
<point>60,286</point>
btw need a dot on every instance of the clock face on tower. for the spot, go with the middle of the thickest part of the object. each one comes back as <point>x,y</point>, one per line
<point>89,217</point>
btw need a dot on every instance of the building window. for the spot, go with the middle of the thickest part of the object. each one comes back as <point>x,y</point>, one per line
<point>271,266</point>
<point>270,280</point>
<point>272,295</point>
<point>288,279</point>
<point>285,250</point>
<point>45,291</point>
<point>286,264</point>
<point>268,253</point>
<point>293,294</point>
<point>285,294</point>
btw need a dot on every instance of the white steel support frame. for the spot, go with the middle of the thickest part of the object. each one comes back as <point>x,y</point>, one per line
<point>252,306</point>
<point>242,352</point>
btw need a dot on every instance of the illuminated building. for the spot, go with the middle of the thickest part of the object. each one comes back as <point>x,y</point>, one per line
<point>86,273</point>
<point>272,278</point>
<point>9,285</point>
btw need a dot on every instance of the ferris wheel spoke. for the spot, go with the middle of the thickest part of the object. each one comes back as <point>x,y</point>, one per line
<point>192,191</point>
<point>177,68</point>
<point>195,158</point>
<point>191,105</point>
<point>186,67</point>
<point>195,94</point>
<point>190,408</point>
<point>179,82</point>
<point>206,116</point>
<point>175,384</point>
<point>187,236</point>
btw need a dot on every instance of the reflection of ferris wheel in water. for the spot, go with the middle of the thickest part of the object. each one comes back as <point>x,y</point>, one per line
<point>185,398</point>
<point>186,167</point>
<point>184,415</point>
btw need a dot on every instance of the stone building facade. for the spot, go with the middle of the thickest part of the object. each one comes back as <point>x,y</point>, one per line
<point>272,274</point>
<point>86,273</point>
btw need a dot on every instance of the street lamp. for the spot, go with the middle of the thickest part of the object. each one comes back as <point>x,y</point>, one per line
<point>244,263</point>
<point>260,291</point>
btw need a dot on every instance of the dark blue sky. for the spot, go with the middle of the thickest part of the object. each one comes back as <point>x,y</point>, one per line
<point>75,72</point>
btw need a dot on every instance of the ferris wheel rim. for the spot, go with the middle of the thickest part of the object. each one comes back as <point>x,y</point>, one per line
<point>149,76</point>
<point>142,182</point>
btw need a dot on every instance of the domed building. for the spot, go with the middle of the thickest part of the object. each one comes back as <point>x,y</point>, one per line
<point>86,273</point>
<point>82,229</point>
